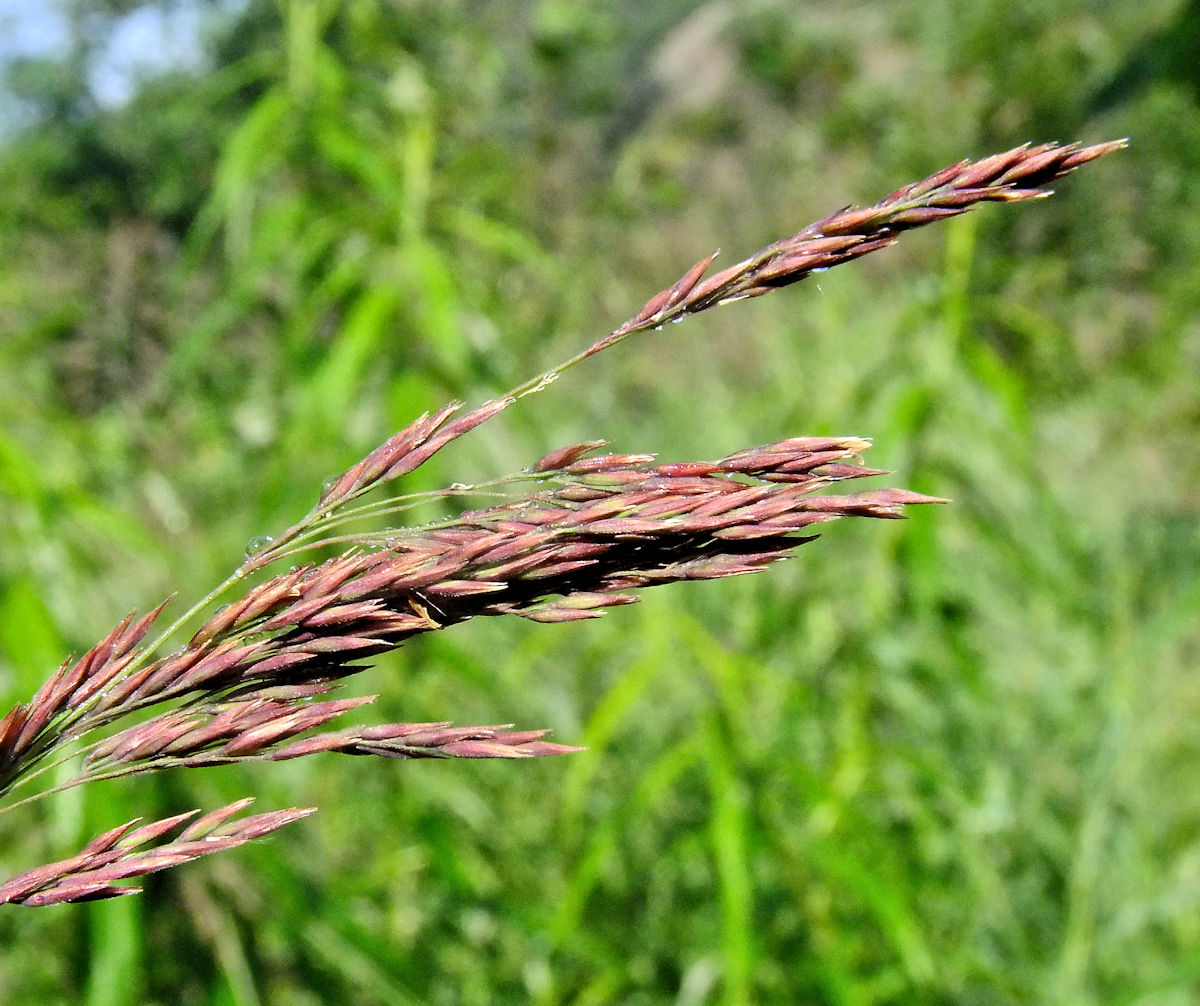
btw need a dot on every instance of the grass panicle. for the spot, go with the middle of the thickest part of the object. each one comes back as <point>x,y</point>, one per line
<point>570,537</point>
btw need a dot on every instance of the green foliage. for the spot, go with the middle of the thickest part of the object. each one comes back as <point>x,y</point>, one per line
<point>951,760</point>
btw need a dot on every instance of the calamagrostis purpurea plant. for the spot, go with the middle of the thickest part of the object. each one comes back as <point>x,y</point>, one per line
<point>567,538</point>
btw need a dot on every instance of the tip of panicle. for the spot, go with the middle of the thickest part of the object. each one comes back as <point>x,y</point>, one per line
<point>1085,154</point>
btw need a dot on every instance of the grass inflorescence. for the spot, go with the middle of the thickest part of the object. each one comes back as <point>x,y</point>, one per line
<point>567,538</point>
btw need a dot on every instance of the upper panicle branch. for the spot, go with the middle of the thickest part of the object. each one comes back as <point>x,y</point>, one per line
<point>850,233</point>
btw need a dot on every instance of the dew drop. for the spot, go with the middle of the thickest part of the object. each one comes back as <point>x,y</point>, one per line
<point>259,543</point>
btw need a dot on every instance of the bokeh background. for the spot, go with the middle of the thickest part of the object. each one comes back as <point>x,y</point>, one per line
<point>953,760</point>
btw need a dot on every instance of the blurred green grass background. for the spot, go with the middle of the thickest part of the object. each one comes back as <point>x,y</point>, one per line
<point>953,760</point>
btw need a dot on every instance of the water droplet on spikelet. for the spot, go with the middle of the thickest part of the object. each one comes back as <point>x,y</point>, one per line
<point>259,543</point>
